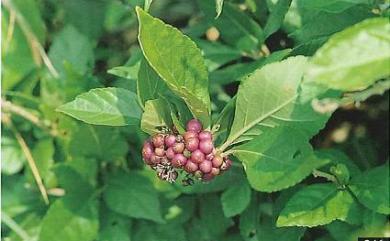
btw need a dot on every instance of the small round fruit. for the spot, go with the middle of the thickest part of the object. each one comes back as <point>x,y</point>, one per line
<point>187,153</point>
<point>170,153</point>
<point>192,144</point>
<point>206,146</point>
<point>210,157</point>
<point>178,147</point>
<point>170,140</point>
<point>207,177</point>
<point>159,152</point>
<point>194,125</point>
<point>190,134</point>
<point>147,151</point>
<point>158,140</point>
<point>198,174</point>
<point>226,164</point>
<point>215,171</point>
<point>205,135</point>
<point>197,156</point>
<point>155,160</point>
<point>217,161</point>
<point>179,160</point>
<point>205,166</point>
<point>190,167</point>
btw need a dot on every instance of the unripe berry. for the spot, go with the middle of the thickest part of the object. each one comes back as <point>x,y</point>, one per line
<point>197,156</point>
<point>205,166</point>
<point>187,153</point>
<point>170,153</point>
<point>198,174</point>
<point>170,140</point>
<point>190,134</point>
<point>179,160</point>
<point>205,135</point>
<point>206,146</point>
<point>178,147</point>
<point>226,164</point>
<point>159,152</point>
<point>215,171</point>
<point>217,161</point>
<point>194,125</point>
<point>192,144</point>
<point>158,140</point>
<point>190,167</point>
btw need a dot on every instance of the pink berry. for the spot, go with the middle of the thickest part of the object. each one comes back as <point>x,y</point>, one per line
<point>206,146</point>
<point>190,134</point>
<point>170,153</point>
<point>179,160</point>
<point>215,171</point>
<point>158,140</point>
<point>197,156</point>
<point>207,177</point>
<point>226,165</point>
<point>194,125</point>
<point>192,144</point>
<point>205,166</point>
<point>190,167</point>
<point>159,152</point>
<point>217,161</point>
<point>205,135</point>
<point>147,151</point>
<point>178,147</point>
<point>155,160</point>
<point>170,140</point>
<point>210,156</point>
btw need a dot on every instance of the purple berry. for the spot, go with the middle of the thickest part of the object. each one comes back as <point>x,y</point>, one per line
<point>170,140</point>
<point>205,135</point>
<point>147,151</point>
<point>210,157</point>
<point>205,166</point>
<point>190,167</point>
<point>206,146</point>
<point>170,153</point>
<point>155,160</point>
<point>190,134</point>
<point>197,156</point>
<point>215,171</point>
<point>159,152</point>
<point>194,125</point>
<point>179,160</point>
<point>192,144</point>
<point>207,177</point>
<point>158,140</point>
<point>178,147</point>
<point>217,161</point>
<point>226,165</point>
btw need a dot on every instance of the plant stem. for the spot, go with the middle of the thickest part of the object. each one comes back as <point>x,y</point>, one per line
<point>14,226</point>
<point>317,173</point>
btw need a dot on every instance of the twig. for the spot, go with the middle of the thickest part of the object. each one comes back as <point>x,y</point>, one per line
<point>329,177</point>
<point>14,226</point>
<point>29,157</point>
<point>35,45</point>
<point>8,106</point>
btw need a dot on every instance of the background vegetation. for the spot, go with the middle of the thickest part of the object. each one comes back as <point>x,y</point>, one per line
<point>67,180</point>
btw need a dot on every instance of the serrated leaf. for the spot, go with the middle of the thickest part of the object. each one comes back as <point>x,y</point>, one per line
<point>365,56</point>
<point>372,189</point>
<point>278,159</point>
<point>149,84</point>
<point>132,195</point>
<point>314,205</point>
<point>178,61</point>
<point>275,87</point>
<point>156,116</point>
<point>105,106</point>
<point>236,198</point>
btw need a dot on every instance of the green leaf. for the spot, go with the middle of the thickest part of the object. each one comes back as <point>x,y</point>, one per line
<point>12,156</point>
<point>275,86</point>
<point>314,205</point>
<point>218,8</point>
<point>277,159</point>
<point>132,195</point>
<point>276,17</point>
<point>113,227</point>
<point>235,199</point>
<point>156,116</point>
<point>104,106</point>
<point>332,6</point>
<point>364,59</point>
<point>71,47</point>
<point>74,217</point>
<point>149,84</point>
<point>372,189</point>
<point>43,154</point>
<point>184,73</point>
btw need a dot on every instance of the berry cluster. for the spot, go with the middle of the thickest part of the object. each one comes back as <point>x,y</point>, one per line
<point>192,154</point>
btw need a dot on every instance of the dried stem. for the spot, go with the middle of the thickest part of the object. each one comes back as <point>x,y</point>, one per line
<point>7,220</point>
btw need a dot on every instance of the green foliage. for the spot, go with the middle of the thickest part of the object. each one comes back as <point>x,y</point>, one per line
<point>294,91</point>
